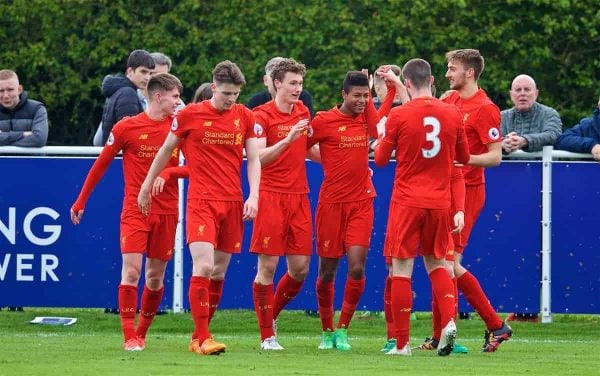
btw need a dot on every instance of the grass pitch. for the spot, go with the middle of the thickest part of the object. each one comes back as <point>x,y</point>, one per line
<point>93,346</point>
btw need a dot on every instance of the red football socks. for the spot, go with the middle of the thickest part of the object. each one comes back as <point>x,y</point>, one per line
<point>127,310</point>
<point>263,306</point>
<point>150,303</point>
<point>325,292</point>
<point>471,289</point>
<point>387,308</point>
<point>198,297</point>
<point>443,289</point>
<point>215,290</point>
<point>352,293</point>
<point>401,309</point>
<point>287,289</point>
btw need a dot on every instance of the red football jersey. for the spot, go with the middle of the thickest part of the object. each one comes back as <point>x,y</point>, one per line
<point>481,118</point>
<point>214,144</point>
<point>428,136</point>
<point>140,137</point>
<point>287,174</point>
<point>344,146</point>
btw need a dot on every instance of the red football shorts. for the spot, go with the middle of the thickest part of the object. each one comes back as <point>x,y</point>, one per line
<point>216,222</point>
<point>283,225</point>
<point>474,201</point>
<point>342,225</point>
<point>416,231</point>
<point>153,234</point>
<point>450,251</point>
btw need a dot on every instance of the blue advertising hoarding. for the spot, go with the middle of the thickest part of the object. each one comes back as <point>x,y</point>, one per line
<point>47,261</point>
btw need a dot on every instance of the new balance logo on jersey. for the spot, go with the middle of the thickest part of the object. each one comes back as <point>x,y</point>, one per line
<point>201,229</point>
<point>237,245</point>
<point>342,128</point>
<point>208,123</point>
<point>326,243</point>
<point>465,118</point>
<point>143,136</point>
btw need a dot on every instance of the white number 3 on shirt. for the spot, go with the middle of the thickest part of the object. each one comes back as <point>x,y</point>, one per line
<point>432,136</point>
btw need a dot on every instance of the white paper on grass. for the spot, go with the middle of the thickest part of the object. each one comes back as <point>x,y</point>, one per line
<point>47,320</point>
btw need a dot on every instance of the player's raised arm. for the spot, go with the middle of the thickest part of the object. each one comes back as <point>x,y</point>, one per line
<point>161,159</point>
<point>384,148</point>
<point>93,178</point>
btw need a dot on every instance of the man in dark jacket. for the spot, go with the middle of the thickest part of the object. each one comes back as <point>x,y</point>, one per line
<point>121,93</point>
<point>583,137</point>
<point>23,122</point>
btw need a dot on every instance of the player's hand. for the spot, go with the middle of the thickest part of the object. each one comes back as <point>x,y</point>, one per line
<point>459,222</point>
<point>158,186</point>
<point>596,152</point>
<point>144,200</point>
<point>381,127</point>
<point>296,130</point>
<point>250,208</point>
<point>76,215</point>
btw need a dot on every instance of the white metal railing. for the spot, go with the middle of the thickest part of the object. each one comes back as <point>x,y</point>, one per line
<point>548,156</point>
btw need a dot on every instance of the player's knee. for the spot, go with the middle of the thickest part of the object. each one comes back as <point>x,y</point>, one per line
<point>299,272</point>
<point>130,275</point>
<point>326,275</point>
<point>202,268</point>
<point>356,271</point>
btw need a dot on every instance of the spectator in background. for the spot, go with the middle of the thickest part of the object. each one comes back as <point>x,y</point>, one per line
<point>23,121</point>
<point>583,137</point>
<point>121,93</point>
<point>162,64</point>
<point>529,125</point>
<point>203,92</point>
<point>269,94</point>
<point>381,88</point>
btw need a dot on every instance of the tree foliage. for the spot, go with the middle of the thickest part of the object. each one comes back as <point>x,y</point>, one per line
<point>62,49</point>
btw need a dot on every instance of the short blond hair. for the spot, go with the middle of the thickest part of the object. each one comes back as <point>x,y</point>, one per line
<point>469,58</point>
<point>7,74</point>
<point>379,81</point>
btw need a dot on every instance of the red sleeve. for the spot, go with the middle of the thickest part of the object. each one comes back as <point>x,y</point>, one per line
<point>372,118</point>
<point>317,130</point>
<point>488,127</point>
<point>462,147</point>
<point>387,104</point>
<point>253,129</point>
<point>94,176</point>
<point>457,187</point>
<point>177,172</point>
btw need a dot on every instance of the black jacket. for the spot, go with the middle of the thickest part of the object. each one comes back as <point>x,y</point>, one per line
<point>121,100</point>
<point>27,116</point>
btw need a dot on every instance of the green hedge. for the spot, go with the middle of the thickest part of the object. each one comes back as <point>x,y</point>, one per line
<point>62,49</point>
